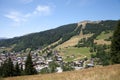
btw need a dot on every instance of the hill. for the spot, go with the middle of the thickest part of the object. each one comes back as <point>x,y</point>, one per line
<point>38,40</point>
<point>92,34</point>
<point>1,38</point>
<point>111,72</point>
<point>67,34</point>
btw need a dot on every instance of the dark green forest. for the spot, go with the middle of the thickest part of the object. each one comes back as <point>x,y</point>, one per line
<point>115,46</point>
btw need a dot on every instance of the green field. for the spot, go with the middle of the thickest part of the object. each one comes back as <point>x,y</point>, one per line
<point>104,35</point>
<point>73,53</point>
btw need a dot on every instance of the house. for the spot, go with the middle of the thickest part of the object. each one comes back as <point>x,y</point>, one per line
<point>89,65</point>
<point>40,67</point>
<point>59,69</point>
<point>78,68</point>
<point>78,63</point>
<point>1,62</point>
<point>59,58</point>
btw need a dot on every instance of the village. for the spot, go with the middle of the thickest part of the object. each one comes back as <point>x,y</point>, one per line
<point>42,61</point>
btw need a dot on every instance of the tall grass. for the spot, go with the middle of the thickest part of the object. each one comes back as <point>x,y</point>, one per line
<point>98,73</point>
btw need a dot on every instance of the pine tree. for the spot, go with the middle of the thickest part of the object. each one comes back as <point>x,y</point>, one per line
<point>17,70</point>
<point>115,46</point>
<point>4,71</point>
<point>52,66</point>
<point>22,70</point>
<point>8,68</point>
<point>29,68</point>
<point>1,71</point>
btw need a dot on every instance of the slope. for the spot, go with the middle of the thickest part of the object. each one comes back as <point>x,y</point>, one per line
<point>63,36</point>
<point>111,72</point>
<point>38,40</point>
<point>104,38</point>
<point>90,32</point>
<point>75,39</point>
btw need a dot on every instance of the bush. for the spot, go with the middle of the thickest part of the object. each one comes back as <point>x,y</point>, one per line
<point>44,70</point>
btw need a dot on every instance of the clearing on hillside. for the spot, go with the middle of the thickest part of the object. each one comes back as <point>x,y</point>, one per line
<point>74,53</point>
<point>101,39</point>
<point>73,41</point>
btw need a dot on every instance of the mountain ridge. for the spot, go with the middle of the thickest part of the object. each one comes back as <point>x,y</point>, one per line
<point>65,32</point>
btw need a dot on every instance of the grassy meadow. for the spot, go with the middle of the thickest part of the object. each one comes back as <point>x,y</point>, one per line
<point>111,72</point>
<point>74,53</point>
<point>104,35</point>
<point>101,38</point>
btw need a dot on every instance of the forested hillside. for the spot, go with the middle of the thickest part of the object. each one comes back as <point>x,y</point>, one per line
<point>99,27</point>
<point>65,32</point>
<point>41,39</point>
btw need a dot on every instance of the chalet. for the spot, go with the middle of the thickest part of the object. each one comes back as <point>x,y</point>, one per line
<point>59,69</point>
<point>89,65</point>
<point>78,68</point>
<point>40,67</point>
<point>59,58</point>
<point>1,62</point>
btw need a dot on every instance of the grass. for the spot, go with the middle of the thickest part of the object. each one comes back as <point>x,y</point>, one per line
<point>5,49</point>
<point>1,78</point>
<point>98,73</point>
<point>101,38</point>
<point>78,53</point>
<point>104,35</point>
<point>102,41</point>
<point>73,41</point>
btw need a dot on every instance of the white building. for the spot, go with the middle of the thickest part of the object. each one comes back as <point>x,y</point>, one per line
<point>59,69</point>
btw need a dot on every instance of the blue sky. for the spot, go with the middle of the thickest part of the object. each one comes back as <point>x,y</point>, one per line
<point>20,17</point>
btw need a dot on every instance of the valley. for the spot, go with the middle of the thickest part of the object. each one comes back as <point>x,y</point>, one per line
<point>59,40</point>
<point>77,46</point>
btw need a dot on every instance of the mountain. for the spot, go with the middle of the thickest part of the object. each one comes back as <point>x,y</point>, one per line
<point>1,38</point>
<point>41,39</point>
<point>60,34</point>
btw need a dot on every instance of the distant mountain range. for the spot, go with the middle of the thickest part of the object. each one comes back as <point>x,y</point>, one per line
<point>62,33</point>
<point>1,38</point>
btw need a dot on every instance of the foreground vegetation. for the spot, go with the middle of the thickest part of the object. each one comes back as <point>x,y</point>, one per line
<point>98,73</point>
<point>115,46</point>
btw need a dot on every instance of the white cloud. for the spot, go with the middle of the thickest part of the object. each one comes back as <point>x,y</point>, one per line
<point>18,18</point>
<point>42,10</point>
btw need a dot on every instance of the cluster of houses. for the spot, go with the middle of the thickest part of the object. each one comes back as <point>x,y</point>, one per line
<point>41,62</point>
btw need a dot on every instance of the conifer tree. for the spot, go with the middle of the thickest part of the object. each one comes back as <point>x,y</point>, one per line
<point>1,71</point>
<point>115,46</point>
<point>4,70</point>
<point>17,70</point>
<point>29,68</point>
<point>8,68</point>
<point>22,70</point>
